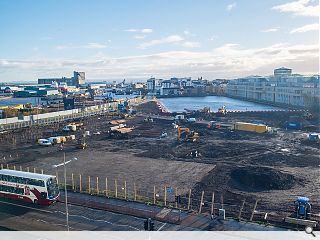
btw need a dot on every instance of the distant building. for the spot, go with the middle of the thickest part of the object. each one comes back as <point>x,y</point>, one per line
<point>77,79</point>
<point>178,87</point>
<point>33,91</point>
<point>282,72</point>
<point>282,88</point>
<point>154,85</point>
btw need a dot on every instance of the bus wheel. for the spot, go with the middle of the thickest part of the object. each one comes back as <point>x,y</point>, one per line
<point>35,201</point>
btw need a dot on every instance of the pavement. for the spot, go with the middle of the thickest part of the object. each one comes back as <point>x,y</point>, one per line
<point>94,213</point>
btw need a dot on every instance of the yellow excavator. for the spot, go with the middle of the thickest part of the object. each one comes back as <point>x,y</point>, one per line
<point>187,135</point>
<point>222,111</point>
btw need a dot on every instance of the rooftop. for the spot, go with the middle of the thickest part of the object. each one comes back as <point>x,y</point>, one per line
<point>25,174</point>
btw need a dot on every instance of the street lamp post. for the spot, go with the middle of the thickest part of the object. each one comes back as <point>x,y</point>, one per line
<point>65,184</point>
<point>65,189</point>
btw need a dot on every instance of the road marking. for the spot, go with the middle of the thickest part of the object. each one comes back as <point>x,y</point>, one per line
<point>159,229</point>
<point>58,224</point>
<point>71,215</point>
<point>99,220</point>
<point>18,205</point>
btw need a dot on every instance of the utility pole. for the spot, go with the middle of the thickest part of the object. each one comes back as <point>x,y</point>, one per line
<point>65,189</point>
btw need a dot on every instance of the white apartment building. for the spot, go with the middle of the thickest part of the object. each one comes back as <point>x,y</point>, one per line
<point>281,88</point>
<point>173,86</point>
<point>154,85</point>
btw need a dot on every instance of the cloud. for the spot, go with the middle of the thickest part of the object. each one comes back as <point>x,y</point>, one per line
<point>306,28</point>
<point>147,30</point>
<point>299,8</point>
<point>172,39</point>
<point>95,45</point>
<point>227,61</point>
<point>88,46</point>
<point>165,40</point>
<point>231,6</point>
<point>139,36</point>
<point>143,30</point>
<point>270,30</point>
<point>188,44</point>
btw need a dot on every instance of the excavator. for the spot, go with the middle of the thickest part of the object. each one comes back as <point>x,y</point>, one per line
<point>187,135</point>
<point>222,111</point>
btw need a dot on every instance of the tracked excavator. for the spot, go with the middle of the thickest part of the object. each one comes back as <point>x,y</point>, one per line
<point>185,134</point>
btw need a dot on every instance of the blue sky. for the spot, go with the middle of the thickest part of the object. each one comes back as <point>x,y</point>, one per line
<point>138,39</point>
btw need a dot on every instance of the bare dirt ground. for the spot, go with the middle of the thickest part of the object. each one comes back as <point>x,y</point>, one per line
<point>274,169</point>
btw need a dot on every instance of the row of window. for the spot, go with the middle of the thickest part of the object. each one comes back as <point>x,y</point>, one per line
<point>22,180</point>
<point>11,189</point>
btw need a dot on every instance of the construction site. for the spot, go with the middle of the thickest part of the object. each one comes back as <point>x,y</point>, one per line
<point>245,162</point>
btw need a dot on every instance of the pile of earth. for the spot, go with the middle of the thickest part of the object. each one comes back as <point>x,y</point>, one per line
<point>256,179</point>
<point>150,107</point>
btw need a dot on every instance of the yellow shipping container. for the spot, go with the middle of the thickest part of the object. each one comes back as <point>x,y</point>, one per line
<point>251,127</point>
<point>261,128</point>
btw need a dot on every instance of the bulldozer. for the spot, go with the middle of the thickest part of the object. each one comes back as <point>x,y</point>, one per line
<point>185,134</point>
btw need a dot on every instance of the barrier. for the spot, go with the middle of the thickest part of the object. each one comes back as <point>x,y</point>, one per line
<point>240,209</point>
<point>60,116</point>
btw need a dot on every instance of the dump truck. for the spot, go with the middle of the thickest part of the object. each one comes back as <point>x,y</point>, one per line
<point>250,127</point>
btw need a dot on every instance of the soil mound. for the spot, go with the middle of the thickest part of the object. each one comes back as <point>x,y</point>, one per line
<point>261,179</point>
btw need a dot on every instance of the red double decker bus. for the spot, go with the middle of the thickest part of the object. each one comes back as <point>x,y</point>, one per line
<point>28,187</point>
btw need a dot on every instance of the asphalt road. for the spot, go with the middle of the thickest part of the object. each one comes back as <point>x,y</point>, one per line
<point>25,217</point>
<point>28,217</point>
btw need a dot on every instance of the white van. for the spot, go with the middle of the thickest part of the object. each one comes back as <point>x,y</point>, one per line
<point>191,120</point>
<point>69,128</point>
<point>179,117</point>
<point>44,142</point>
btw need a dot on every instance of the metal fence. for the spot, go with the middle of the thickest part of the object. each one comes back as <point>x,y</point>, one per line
<point>162,196</point>
<point>61,116</point>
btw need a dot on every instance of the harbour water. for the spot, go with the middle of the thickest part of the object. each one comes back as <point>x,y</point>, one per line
<point>179,104</point>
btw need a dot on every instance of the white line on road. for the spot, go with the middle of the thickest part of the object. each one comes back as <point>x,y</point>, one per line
<point>71,215</point>
<point>100,220</point>
<point>58,224</point>
<point>18,205</point>
<point>159,229</point>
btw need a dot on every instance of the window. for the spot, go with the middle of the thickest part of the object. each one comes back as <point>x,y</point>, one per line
<point>36,182</point>
<point>11,189</point>
<point>22,180</point>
